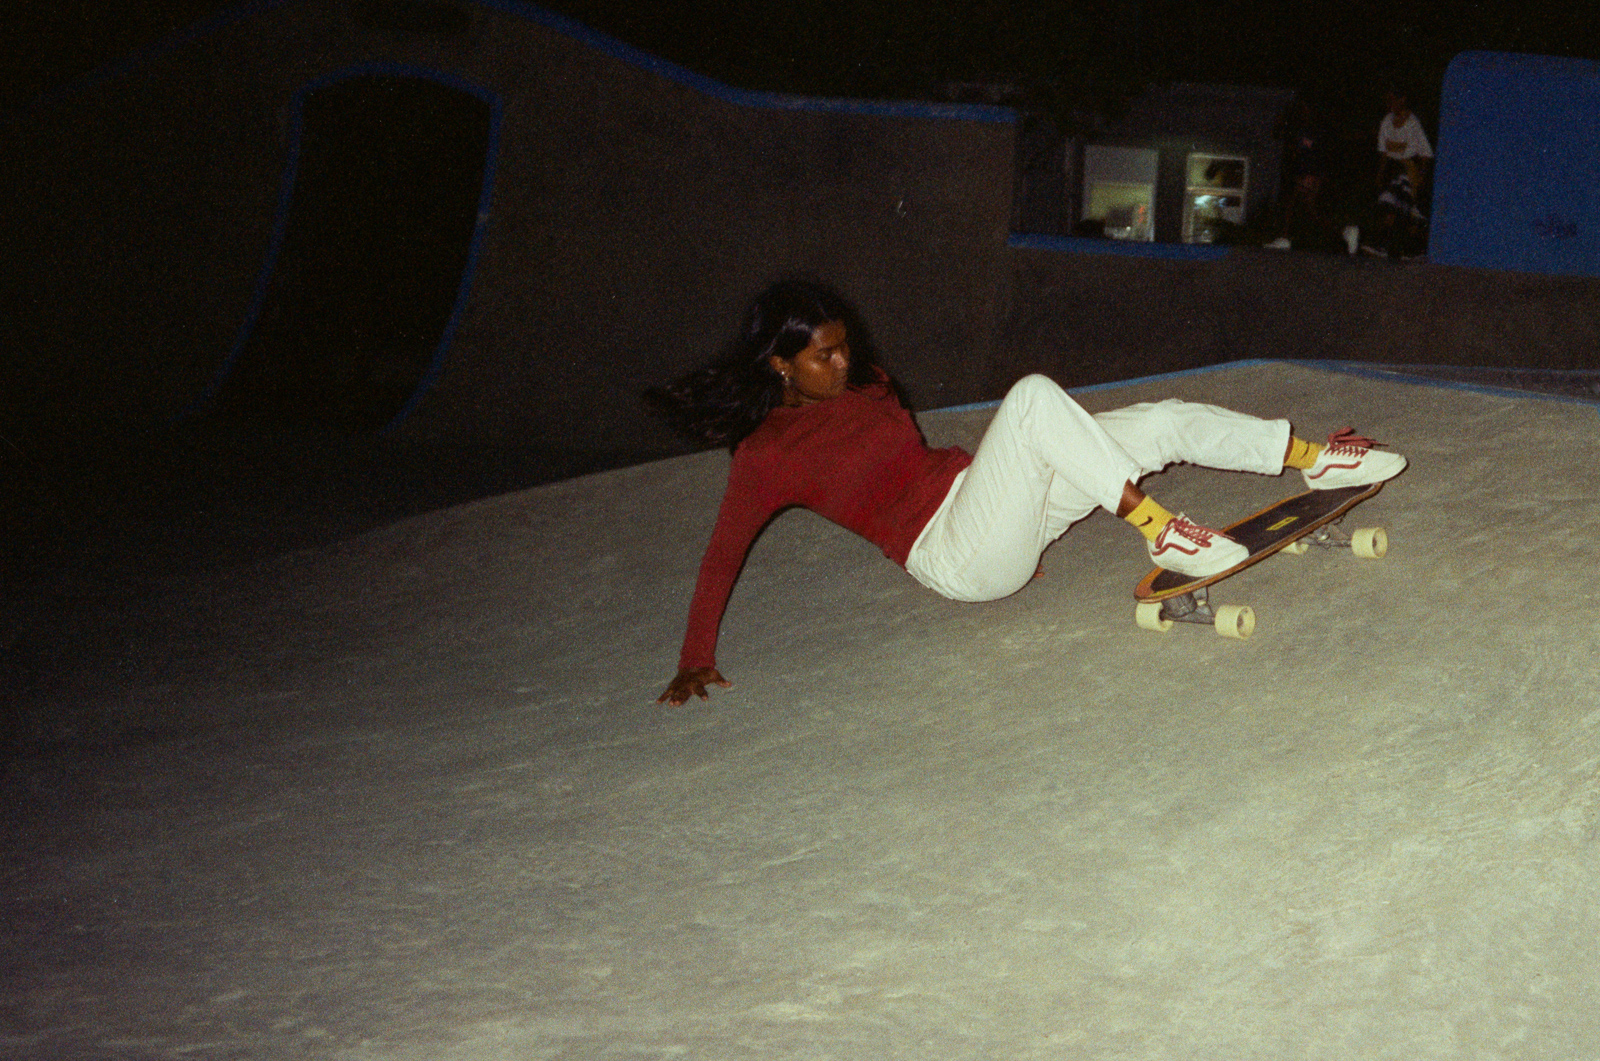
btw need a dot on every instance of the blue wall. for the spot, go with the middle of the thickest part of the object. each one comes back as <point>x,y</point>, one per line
<point>1518,179</point>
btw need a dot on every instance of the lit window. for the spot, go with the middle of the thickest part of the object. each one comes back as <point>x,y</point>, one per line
<point>1119,188</point>
<point>1214,199</point>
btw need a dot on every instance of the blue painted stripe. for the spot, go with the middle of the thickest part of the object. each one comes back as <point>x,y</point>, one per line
<point>1418,379</point>
<point>592,38</point>
<point>269,264</point>
<point>480,227</point>
<point>1351,368</point>
<point>1179,374</point>
<point>971,407</point>
<point>1113,385</point>
<point>1126,248</point>
<point>627,53</point>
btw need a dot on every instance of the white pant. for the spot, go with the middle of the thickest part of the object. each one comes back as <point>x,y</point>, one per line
<point>1045,463</point>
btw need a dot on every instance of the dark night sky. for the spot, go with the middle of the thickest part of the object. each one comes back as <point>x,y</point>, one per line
<point>899,48</point>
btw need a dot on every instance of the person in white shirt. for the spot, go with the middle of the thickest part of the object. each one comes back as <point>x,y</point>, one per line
<point>1401,139</point>
<point>1404,156</point>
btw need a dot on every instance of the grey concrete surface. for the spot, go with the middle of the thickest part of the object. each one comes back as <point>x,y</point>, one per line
<point>408,797</point>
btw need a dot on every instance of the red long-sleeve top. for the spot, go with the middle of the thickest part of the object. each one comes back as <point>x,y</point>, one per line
<point>856,459</point>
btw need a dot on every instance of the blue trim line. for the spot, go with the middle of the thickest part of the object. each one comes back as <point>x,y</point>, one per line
<point>970,407</point>
<point>1417,379</point>
<point>581,33</point>
<point>627,53</point>
<point>1350,368</point>
<point>1179,374</point>
<point>491,159</point>
<point>1126,248</point>
<point>269,263</point>
<point>280,224</point>
<point>1114,384</point>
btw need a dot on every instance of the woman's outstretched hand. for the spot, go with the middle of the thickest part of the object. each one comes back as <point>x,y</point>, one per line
<point>692,681</point>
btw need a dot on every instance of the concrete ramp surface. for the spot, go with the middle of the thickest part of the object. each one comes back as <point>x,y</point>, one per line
<point>409,797</point>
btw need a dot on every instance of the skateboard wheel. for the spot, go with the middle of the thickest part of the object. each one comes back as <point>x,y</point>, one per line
<point>1148,615</point>
<point>1236,621</point>
<point>1298,548</point>
<point>1369,543</point>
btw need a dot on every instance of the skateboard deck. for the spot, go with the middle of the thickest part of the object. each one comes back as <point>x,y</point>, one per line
<point>1167,596</point>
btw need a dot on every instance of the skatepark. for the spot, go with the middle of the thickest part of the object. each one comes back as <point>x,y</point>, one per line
<point>407,795</point>
<point>362,761</point>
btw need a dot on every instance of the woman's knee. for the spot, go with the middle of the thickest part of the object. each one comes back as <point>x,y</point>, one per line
<point>1037,391</point>
<point>1035,385</point>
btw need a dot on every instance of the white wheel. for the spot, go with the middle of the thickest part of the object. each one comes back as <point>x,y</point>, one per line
<point>1298,548</point>
<point>1148,615</point>
<point>1369,543</point>
<point>1235,621</point>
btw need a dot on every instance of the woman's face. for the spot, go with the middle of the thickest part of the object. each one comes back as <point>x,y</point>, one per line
<point>819,371</point>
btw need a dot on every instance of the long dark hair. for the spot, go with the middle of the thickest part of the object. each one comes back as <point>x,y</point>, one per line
<point>722,403</point>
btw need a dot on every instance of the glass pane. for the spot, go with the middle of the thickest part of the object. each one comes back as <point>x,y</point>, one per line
<point>1216,171</point>
<point>1206,216</point>
<point>1125,209</point>
<point>1119,185</point>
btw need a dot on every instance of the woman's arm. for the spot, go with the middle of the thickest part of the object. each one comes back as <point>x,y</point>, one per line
<point>739,520</point>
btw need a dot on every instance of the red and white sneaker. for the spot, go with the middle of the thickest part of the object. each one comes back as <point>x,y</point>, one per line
<point>1350,460</point>
<point>1199,552</point>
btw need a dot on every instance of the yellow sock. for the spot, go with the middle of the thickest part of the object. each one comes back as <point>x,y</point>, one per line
<point>1302,454</point>
<point>1149,517</point>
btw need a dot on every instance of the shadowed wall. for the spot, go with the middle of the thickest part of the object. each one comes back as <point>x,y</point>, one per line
<point>634,207</point>
<point>634,210</point>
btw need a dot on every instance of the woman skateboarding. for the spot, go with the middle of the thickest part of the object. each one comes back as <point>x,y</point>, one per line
<point>812,421</point>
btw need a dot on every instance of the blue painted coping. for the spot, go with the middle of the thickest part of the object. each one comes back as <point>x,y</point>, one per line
<point>1353,368</point>
<point>1416,379</point>
<point>769,100</point>
<point>1124,248</point>
<point>600,42</point>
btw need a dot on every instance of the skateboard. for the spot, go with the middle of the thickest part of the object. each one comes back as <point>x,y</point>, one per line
<point>1292,525</point>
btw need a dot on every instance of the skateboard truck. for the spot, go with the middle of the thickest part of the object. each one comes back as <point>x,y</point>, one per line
<point>1293,525</point>
<point>1369,543</point>
<point>1235,621</point>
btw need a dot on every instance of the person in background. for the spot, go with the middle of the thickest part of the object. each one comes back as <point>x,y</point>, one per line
<point>1404,159</point>
<point>1306,224</point>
